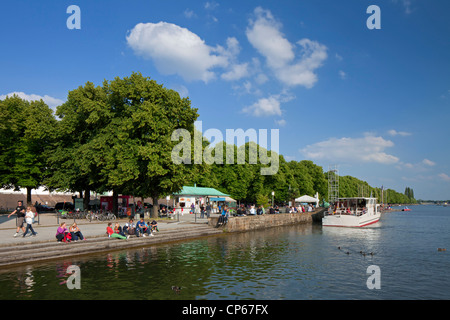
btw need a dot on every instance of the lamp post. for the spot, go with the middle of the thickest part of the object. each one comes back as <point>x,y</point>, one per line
<point>273,193</point>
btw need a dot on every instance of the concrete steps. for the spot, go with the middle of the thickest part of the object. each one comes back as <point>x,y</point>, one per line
<point>39,251</point>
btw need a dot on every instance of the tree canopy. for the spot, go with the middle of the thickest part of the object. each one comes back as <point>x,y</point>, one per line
<point>119,137</point>
<point>26,133</point>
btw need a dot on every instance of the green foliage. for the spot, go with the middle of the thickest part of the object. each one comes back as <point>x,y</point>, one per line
<point>245,183</point>
<point>26,134</point>
<point>352,187</point>
<point>262,200</point>
<point>118,137</point>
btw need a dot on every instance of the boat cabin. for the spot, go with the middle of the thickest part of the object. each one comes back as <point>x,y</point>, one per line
<point>355,206</point>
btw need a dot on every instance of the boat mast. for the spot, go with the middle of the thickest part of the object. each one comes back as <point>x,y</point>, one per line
<point>333,184</point>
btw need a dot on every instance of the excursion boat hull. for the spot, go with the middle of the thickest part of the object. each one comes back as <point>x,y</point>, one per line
<point>349,220</point>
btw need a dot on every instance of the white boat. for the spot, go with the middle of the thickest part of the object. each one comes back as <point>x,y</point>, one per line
<point>352,212</point>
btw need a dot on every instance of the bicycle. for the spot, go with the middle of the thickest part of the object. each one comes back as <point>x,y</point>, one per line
<point>108,216</point>
<point>92,216</point>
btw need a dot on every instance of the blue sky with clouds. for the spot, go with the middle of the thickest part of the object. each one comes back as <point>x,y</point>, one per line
<point>374,102</point>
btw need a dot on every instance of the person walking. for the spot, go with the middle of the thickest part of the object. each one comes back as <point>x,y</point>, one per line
<point>208,210</point>
<point>20,212</point>
<point>29,219</point>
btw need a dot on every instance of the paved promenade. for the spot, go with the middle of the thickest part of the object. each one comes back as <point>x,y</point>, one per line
<point>48,224</point>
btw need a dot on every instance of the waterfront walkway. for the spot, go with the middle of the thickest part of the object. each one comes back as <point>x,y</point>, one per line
<point>16,250</point>
<point>48,223</point>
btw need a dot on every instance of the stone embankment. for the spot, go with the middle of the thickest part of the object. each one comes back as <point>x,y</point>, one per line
<point>40,251</point>
<point>14,251</point>
<point>241,224</point>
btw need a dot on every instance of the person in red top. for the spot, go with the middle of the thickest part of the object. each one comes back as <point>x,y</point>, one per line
<point>112,234</point>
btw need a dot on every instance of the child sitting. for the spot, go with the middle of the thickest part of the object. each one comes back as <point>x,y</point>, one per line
<point>154,226</point>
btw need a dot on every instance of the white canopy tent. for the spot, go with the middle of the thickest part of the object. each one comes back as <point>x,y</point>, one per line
<point>308,199</point>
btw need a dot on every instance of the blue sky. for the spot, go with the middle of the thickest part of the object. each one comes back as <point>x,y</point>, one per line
<point>374,102</point>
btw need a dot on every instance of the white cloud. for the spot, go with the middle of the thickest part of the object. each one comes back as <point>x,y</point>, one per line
<point>444,177</point>
<point>188,13</point>
<point>210,5</point>
<point>264,107</point>
<point>280,122</point>
<point>261,78</point>
<point>237,71</point>
<point>265,36</point>
<point>176,50</point>
<point>409,165</point>
<point>406,5</point>
<point>422,166</point>
<point>342,74</point>
<point>182,90</point>
<point>368,149</point>
<point>50,101</point>
<point>399,133</point>
<point>428,162</point>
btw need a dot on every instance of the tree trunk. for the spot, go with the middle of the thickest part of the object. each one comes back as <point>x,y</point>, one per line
<point>29,196</point>
<point>86,199</point>
<point>154,213</point>
<point>115,202</point>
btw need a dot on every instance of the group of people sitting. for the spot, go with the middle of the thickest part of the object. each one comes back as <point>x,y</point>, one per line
<point>301,208</point>
<point>140,229</point>
<point>67,235</point>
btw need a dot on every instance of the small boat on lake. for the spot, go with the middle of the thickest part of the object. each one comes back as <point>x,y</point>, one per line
<point>406,209</point>
<point>352,212</point>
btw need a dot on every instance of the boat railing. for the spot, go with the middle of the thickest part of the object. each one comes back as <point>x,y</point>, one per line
<point>348,211</point>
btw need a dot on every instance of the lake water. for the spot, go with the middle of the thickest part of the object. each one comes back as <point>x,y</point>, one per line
<point>293,262</point>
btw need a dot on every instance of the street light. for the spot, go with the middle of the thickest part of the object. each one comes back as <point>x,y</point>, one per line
<point>273,193</point>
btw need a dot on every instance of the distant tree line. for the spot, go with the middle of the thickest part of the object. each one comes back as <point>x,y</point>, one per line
<point>117,137</point>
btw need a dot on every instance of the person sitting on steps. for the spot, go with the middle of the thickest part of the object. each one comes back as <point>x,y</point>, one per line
<point>223,218</point>
<point>142,228</point>
<point>112,234</point>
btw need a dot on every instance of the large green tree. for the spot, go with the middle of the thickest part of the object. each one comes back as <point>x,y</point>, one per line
<point>26,134</point>
<point>121,134</point>
<point>73,165</point>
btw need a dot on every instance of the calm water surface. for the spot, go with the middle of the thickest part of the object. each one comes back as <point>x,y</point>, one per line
<point>294,262</point>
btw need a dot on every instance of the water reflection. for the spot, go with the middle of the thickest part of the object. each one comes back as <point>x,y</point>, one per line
<point>230,265</point>
<point>294,262</point>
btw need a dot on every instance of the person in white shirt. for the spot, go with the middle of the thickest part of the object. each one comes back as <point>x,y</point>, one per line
<point>29,219</point>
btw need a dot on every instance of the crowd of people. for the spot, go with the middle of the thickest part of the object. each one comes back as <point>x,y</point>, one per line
<point>26,216</point>
<point>252,210</point>
<point>301,208</point>
<point>140,229</point>
<point>243,210</point>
